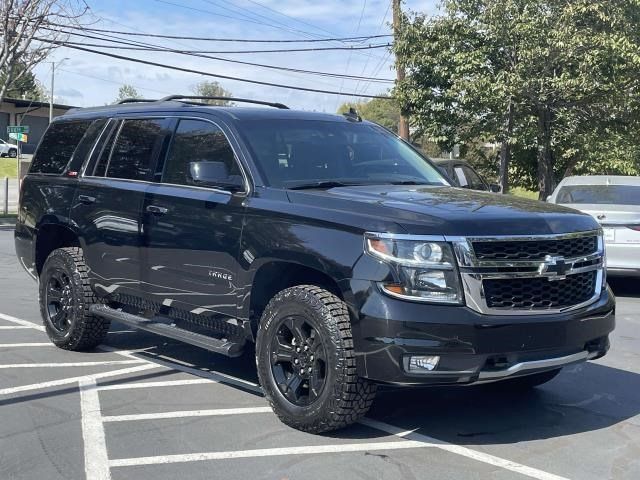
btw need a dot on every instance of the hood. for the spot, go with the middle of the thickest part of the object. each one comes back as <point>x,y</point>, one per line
<point>439,210</point>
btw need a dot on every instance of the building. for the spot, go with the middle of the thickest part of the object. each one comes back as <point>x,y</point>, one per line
<point>15,111</point>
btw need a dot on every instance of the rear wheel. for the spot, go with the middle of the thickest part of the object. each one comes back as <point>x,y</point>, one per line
<point>65,299</point>
<point>306,361</point>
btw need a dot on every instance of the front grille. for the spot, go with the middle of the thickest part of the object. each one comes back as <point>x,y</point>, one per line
<point>535,250</point>
<point>538,292</point>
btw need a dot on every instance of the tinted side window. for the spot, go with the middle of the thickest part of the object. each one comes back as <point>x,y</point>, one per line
<point>136,149</point>
<point>87,143</point>
<point>196,141</point>
<point>57,146</point>
<point>104,152</point>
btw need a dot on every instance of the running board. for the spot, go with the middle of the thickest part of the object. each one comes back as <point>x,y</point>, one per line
<point>224,347</point>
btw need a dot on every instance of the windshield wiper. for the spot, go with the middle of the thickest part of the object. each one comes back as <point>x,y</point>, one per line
<point>323,184</point>
<point>412,182</point>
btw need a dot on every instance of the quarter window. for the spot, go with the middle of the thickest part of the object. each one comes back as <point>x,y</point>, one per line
<point>197,141</point>
<point>136,148</point>
<point>57,147</point>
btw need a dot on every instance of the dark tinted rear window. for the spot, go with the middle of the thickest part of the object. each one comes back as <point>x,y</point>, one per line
<point>57,146</point>
<point>600,194</point>
<point>136,149</point>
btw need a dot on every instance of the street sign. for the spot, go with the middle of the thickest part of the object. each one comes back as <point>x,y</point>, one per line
<point>21,137</point>
<point>18,129</point>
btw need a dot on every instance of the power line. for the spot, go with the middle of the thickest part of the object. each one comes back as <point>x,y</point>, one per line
<point>280,50</point>
<point>358,39</point>
<point>138,87</point>
<point>208,74</point>
<point>222,59</point>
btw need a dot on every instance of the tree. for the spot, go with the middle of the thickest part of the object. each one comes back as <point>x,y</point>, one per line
<point>127,91</point>
<point>26,85</point>
<point>210,88</point>
<point>29,31</point>
<point>555,77</point>
<point>384,111</point>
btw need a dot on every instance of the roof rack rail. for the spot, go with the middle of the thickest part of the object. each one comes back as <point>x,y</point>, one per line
<point>229,99</point>
<point>134,100</point>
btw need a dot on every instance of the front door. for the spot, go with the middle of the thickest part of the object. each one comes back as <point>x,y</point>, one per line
<point>191,233</point>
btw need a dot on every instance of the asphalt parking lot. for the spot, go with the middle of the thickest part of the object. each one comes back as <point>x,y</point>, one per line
<point>149,408</point>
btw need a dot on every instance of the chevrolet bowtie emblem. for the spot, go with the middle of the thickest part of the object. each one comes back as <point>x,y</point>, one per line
<point>556,268</point>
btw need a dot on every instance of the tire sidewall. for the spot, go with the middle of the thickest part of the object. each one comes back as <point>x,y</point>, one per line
<point>59,260</point>
<point>300,303</point>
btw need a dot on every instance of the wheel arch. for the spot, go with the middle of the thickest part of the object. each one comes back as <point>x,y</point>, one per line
<point>276,275</point>
<point>51,236</point>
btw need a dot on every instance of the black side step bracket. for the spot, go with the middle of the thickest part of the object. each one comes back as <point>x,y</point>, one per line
<point>222,346</point>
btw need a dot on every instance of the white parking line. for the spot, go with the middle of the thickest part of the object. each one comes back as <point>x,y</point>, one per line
<point>71,380</point>
<point>71,364</point>
<point>186,414</point>
<point>9,345</point>
<point>19,321</point>
<point>463,451</point>
<point>410,439</point>
<point>96,461</point>
<point>14,327</point>
<point>266,452</point>
<point>169,383</point>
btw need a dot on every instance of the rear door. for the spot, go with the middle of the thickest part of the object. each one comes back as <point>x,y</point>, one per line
<point>108,204</point>
<point>192,234</point>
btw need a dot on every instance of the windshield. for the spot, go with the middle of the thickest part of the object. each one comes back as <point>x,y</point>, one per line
<point>294,154</point>
<point>600,194</point>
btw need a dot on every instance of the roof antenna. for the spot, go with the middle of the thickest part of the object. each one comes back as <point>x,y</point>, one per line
<point>352,115</point>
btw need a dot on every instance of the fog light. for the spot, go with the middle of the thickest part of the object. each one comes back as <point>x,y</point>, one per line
<point>421,363</point>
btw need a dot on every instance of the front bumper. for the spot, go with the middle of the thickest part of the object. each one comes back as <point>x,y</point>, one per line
<point>472,347</point>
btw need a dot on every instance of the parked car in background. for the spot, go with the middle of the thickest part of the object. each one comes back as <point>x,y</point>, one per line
<point>614,201</point>
<point>463,175</point>
<point>8,149</point>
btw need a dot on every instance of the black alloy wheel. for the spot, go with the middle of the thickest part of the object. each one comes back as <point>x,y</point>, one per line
<point>59,301</point>
<point>298,360</point>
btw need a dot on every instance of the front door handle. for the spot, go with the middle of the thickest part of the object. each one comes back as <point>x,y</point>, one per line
<point>86,199</point>
<point>157,210</point>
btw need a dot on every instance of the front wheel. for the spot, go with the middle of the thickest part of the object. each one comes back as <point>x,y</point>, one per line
<point>306,361</point>
<point>13,153</point>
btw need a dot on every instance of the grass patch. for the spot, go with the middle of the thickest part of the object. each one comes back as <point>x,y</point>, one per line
<point>524,193</point>
<point>8,168</point>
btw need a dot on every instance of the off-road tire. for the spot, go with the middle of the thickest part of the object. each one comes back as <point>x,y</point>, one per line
<point>527,382</point>
<point>85,331</point>
<point>345,397</point>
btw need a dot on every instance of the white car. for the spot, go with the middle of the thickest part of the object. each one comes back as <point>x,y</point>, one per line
<point>614,201</point>
<point>8,149</point>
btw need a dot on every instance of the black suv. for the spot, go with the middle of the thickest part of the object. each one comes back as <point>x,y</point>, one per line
<point>335,246</point>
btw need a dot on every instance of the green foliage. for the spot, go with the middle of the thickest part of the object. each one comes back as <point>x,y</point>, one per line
<point>26,86</point>
<point>127,91</point>
<point>567,70</point>
<point>210,88</point>
<point>379,110</point>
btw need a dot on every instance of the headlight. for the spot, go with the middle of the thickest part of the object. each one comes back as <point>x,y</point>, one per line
<point>423,270</point>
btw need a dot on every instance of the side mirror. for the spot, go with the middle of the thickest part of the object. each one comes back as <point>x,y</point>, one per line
<point>214,174</point>
<point>495,188</point>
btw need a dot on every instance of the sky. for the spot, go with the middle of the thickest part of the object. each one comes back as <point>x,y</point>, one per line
<point>86,79</point>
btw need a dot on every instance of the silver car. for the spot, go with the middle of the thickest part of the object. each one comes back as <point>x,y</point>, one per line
<point>615,202</point>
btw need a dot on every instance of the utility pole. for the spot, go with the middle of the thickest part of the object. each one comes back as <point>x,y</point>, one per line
<point>53,77</point>
<point>403,125</point>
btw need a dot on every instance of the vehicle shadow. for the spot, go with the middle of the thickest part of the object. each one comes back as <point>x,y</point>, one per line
<point>585,397</point>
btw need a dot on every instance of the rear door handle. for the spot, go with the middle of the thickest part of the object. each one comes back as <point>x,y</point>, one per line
<point>157,210</point>
<point>86,199</point>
